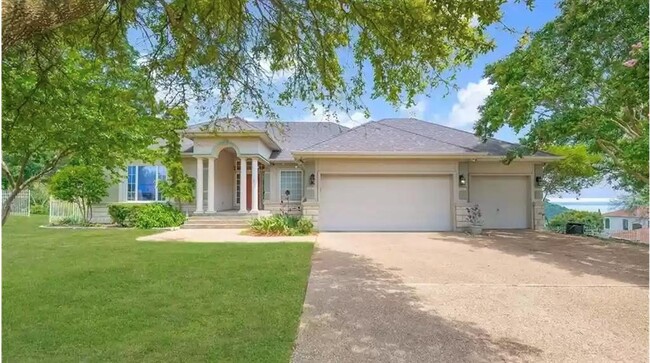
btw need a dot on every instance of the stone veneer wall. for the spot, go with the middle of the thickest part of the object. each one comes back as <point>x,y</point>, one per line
<point>461,215</point>
<point>292,208</point>
<point>538,215</point>
<point>310,209</point>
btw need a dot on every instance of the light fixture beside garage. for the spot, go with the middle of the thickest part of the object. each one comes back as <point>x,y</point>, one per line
<point>538,181</point>
<point>312,179</point>
<point>461,180</point>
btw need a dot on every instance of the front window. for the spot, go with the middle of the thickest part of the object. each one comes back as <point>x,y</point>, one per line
<point>606,223</point>
<point>291,181</point>
<point>142,182</point>
<point>625,225</point>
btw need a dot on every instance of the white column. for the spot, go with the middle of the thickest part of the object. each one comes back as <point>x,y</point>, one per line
<point>254,186</point>
<point>199,185</point>
<point>211,177</point>
<point>242,186</point>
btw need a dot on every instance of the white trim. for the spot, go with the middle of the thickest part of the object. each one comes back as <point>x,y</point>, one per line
<point>199,185</point>
<point>243,198</point>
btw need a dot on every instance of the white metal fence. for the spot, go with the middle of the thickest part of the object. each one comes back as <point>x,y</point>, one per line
<point>60,210</point>
<point>20,204</point>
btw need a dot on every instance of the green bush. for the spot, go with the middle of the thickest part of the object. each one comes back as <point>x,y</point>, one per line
<point>152,215</point>
<point>593,220</point>
<point>282,225</point>
<point>158,215</point>
<point>71,221</point>
<point>124,214</point>
<point>39,209</point>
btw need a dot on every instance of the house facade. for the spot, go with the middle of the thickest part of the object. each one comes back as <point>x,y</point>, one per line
<point>388,175</point>
<point>625,220</point>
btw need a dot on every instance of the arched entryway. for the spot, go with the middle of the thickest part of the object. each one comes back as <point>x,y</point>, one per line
<point>220,180</point>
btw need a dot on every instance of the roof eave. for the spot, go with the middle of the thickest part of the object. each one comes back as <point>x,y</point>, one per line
<point>422,155</point>
<point>261,134</point>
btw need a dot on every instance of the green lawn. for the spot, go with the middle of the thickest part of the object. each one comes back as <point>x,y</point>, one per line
<point>99,295</point>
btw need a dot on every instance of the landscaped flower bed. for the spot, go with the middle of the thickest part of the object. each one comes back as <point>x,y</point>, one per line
<point>282,225</point>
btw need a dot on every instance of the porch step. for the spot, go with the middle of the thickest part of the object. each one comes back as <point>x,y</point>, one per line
<point>226,219</point>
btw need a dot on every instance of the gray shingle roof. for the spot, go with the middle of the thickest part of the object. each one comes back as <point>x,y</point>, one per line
<point>382,137</point>
<point>233,124</point>
<point>388,135</point>
<point>412,135</point>
<point>289,136</point>
<point>293,136</point>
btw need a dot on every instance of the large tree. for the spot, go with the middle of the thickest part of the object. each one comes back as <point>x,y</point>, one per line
<point>62,104</point>
<point>580,80</point>
<point>249,54</point>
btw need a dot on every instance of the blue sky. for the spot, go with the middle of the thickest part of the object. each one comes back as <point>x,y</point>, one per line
<point>458,108</point>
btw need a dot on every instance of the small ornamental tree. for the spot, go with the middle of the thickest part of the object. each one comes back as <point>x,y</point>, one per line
<point>178,186</point>
<point>80,184</point>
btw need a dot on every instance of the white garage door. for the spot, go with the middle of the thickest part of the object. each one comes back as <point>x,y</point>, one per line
<point>385,203</point>
<point>503,200</point>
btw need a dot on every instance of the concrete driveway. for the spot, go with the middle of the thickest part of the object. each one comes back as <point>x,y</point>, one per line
<point>508,296</point>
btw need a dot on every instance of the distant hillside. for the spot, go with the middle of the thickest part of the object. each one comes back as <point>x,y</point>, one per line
<point>552,209</point>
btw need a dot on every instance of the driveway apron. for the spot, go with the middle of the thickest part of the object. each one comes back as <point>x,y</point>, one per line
<point>452,298</point>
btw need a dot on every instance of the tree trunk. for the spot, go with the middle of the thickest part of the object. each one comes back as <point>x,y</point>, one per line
<point>6,206</point>
<point>22,19</point>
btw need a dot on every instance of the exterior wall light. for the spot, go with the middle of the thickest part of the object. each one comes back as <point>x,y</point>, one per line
<point>461,180</point>
<point>312,179</point>
<point>538,181</point>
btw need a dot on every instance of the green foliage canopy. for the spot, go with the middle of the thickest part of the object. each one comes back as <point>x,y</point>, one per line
<point>62,103</point>
<point>246,54</point>
<point>578,169</point>
<point>581,79</point>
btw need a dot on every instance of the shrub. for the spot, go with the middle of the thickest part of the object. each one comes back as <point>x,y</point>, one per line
<point>282,225</point>
<point>305,226</point>
<point>158,215</point>
<point>39,209</point>
<point>71,221</point>
<point>474,215</point>
<point>124,214</point>
<point>592,220</point>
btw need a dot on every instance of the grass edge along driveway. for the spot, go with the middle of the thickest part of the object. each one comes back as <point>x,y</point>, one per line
<point>98,295</point>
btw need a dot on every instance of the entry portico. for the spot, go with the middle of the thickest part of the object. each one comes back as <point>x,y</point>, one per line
<point>230,166</point>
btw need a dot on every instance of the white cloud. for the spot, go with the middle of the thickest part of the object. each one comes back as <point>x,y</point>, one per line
<point>415,111</point>
<point>276,77</point>
<point>322,114</point>
<point>473,22</point>
<point>464,113</point>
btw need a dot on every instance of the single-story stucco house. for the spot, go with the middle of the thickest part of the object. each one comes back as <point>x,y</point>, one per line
<point>625,220</point>
<point>388,175</point>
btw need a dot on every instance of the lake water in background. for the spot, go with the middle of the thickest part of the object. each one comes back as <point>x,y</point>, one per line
<point>586,204</point>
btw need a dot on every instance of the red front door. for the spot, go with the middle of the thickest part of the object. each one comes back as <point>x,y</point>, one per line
<point>249,188</point>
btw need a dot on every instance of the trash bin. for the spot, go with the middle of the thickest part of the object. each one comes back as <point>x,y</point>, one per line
<point>575,228</point>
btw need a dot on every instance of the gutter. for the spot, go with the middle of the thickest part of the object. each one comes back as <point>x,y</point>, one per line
<point>424,155</point>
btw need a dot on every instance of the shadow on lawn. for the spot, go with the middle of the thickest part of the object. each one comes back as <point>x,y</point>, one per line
<point>356,311</point>
<point>627,263</point>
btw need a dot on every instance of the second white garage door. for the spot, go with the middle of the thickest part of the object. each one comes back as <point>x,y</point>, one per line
<point>503,200</point>
<point>385,203</point>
